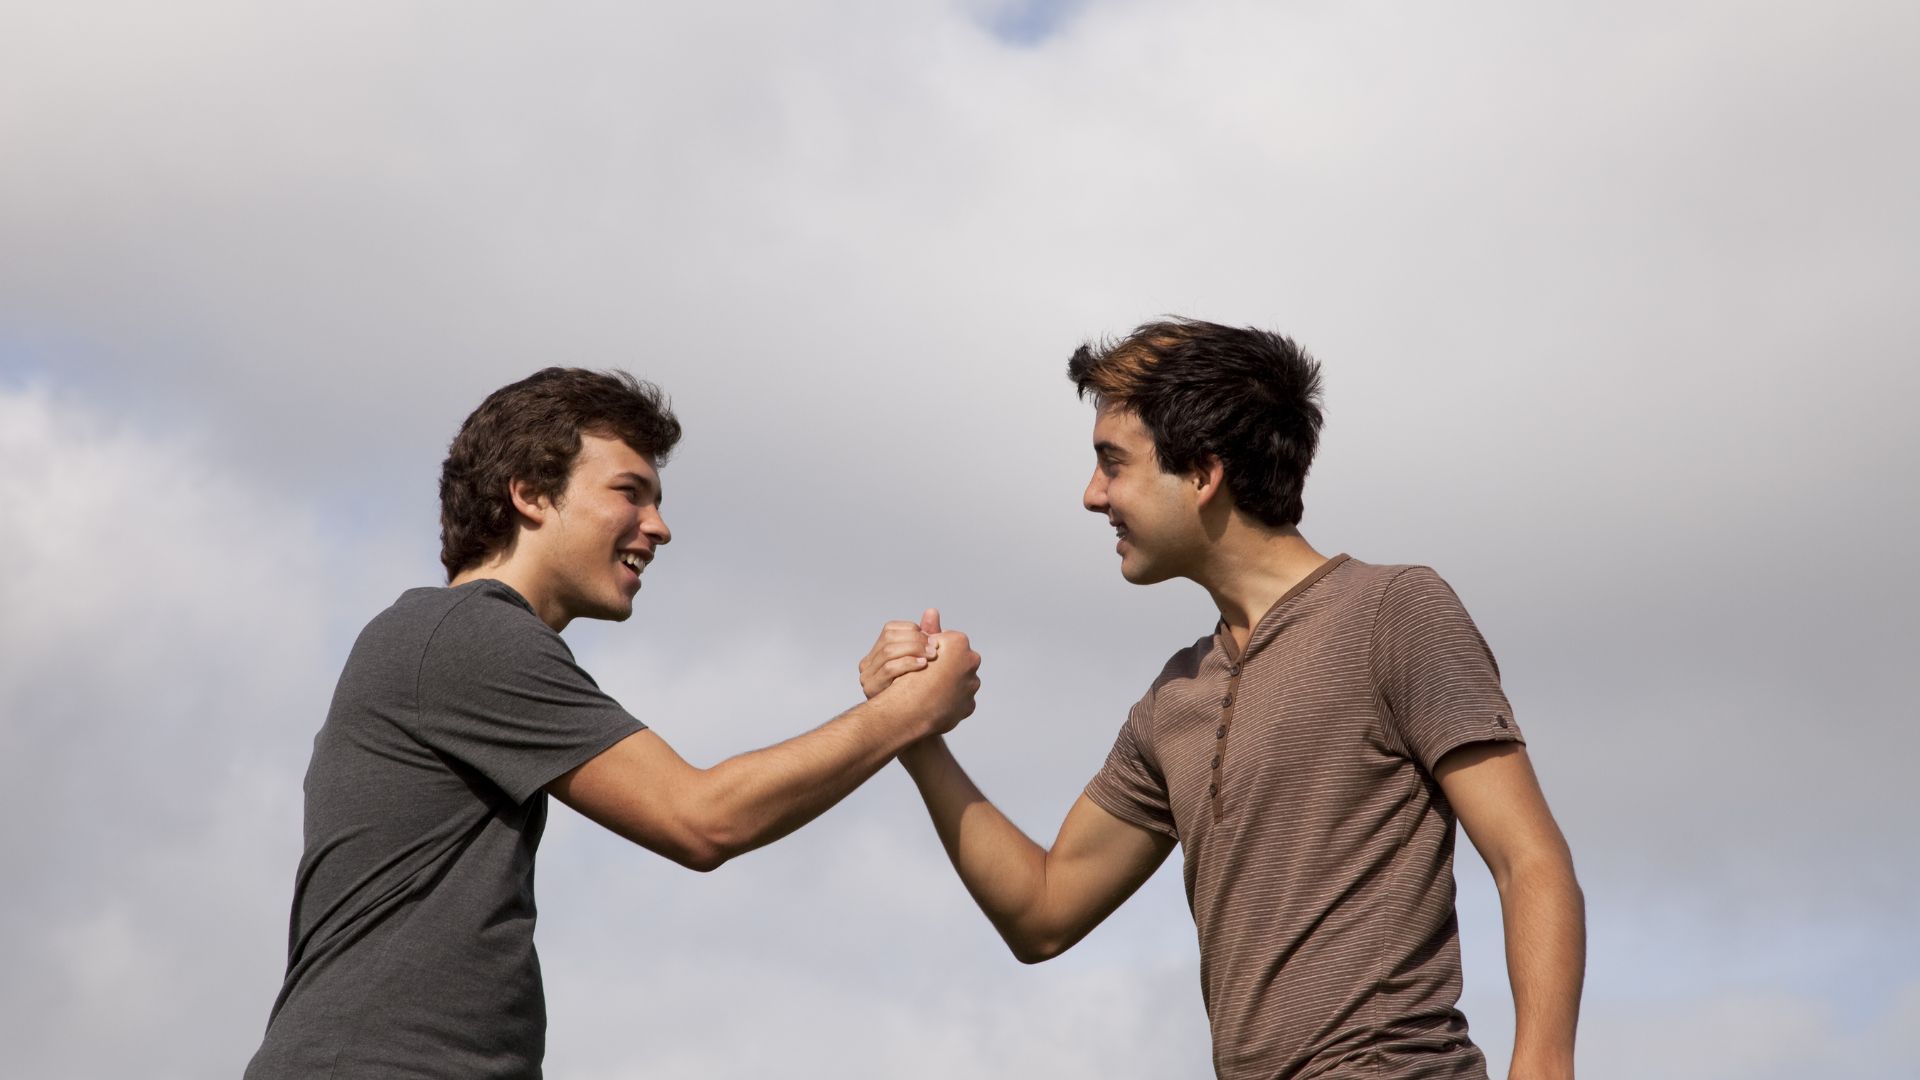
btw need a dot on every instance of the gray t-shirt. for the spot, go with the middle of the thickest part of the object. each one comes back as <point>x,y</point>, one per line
<point>410,950</point>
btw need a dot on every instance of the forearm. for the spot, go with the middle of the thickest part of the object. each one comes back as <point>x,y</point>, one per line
<point>1545,917</point>
<point>753,799</point>
<point>1002,868</point>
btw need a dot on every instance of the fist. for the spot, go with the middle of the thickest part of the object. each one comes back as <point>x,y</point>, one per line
<point>934,673</point>
<point>946,687</point>
<point>902,647</point>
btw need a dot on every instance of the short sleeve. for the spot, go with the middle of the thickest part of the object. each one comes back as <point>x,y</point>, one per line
<point>1435,674</point>
<point>1130,786</point>
<point>500,692</point>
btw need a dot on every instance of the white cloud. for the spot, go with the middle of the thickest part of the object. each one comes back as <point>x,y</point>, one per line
<point>1753,1036</point>
<point>1613,308</point>
<point>165,629</point>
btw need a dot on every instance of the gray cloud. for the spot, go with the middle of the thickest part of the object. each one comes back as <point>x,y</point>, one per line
<point>1613,310</point>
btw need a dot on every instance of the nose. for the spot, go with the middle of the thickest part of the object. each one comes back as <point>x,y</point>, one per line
<point>656,529</point>
<point>1095,497</point>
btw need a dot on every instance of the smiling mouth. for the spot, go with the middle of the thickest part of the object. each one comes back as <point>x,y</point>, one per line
<point>634,561</point>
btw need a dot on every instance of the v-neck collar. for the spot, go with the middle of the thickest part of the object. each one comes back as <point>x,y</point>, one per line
<point>1225,637</point>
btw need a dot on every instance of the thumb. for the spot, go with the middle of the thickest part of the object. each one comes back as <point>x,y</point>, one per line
<point>930,621</point>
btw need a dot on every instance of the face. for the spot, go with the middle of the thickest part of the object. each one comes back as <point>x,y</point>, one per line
<point>1155,513</point>
<point>603,532</point>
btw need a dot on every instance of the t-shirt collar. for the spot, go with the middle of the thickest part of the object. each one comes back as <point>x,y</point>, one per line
<point>1224,639</point>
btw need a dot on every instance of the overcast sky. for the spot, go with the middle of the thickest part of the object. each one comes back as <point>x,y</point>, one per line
<point>1616,310</point>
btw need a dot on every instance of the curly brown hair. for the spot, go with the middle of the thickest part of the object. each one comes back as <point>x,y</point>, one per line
<point>530,431</point>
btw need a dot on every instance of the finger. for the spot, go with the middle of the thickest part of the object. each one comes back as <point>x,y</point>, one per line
<point>930,621</point>
<point>898,642</point>
<point>893,650</point>
<point>883,676</point>
<point>902,632</point>
<point>909,640</point>
<point>897,667</point>
<point>950,640</point>
<point>947,642</point>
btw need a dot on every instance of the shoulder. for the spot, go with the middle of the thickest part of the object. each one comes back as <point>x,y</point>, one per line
<point>1376,579</point>
<point>1183,665</point>
<point>1180,670</point>
<point>481,622</point>
<point>1415,588</point>
<point>487,606</point>
<point>1419,620</point>
<point>1392,590</point>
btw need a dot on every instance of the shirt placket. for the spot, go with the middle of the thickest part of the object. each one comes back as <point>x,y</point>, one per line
<point>1215,781</point>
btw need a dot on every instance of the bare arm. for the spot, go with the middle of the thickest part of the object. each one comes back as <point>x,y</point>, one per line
<point>1042,901</point>
<point>1493,790</point>
<point>700,818</point>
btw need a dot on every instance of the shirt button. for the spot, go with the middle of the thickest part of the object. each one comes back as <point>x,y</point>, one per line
<point>1222,733</point>
<point>1216,761</point>
<point>1226,701</point>
<point>1213,791</point>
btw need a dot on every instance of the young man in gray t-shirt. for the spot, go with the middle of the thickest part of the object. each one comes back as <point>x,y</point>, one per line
<point>410,948</point>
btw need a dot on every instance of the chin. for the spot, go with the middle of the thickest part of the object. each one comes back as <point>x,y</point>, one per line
<point>613,611</point>
<point>1143,575</point>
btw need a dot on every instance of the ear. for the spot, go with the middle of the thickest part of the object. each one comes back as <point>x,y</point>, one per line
<point>1209,479</point>
<point>528,502</point>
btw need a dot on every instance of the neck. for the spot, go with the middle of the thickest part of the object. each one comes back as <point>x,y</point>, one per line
<point>1252,570</point>
<point>509,572</point>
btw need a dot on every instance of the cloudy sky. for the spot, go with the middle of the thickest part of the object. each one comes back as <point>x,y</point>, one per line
<point>1616,308</point>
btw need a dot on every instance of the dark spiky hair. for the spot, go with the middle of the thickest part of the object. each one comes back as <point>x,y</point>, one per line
<point>1249,397</point>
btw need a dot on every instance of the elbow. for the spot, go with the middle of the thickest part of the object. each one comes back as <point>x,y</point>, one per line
<point>682,841</point>
<point>1035,949</point>
<point>711,835</point>
<point>1028,954</point>
<point>706,850</point>
<point>719,839</point>
<point>1542,872</point>
<point>701,859</point>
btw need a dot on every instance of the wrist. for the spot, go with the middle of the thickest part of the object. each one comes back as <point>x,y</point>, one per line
<point>1541,1066</point>
<point>916,757</point>
<point>903,722</point>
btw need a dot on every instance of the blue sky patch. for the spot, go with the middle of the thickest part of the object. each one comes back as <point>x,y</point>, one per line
<point>1030,22</point>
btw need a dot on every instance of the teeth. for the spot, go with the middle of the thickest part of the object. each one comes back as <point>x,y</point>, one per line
<point>632,559</point>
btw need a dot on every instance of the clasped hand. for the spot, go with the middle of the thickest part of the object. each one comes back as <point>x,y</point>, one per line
<point>922,660</point>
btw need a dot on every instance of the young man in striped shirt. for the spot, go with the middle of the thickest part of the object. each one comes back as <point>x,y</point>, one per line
<point>1310,756</point>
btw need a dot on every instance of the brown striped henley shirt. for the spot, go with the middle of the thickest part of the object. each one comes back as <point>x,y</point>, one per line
<point>1298,779</point>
